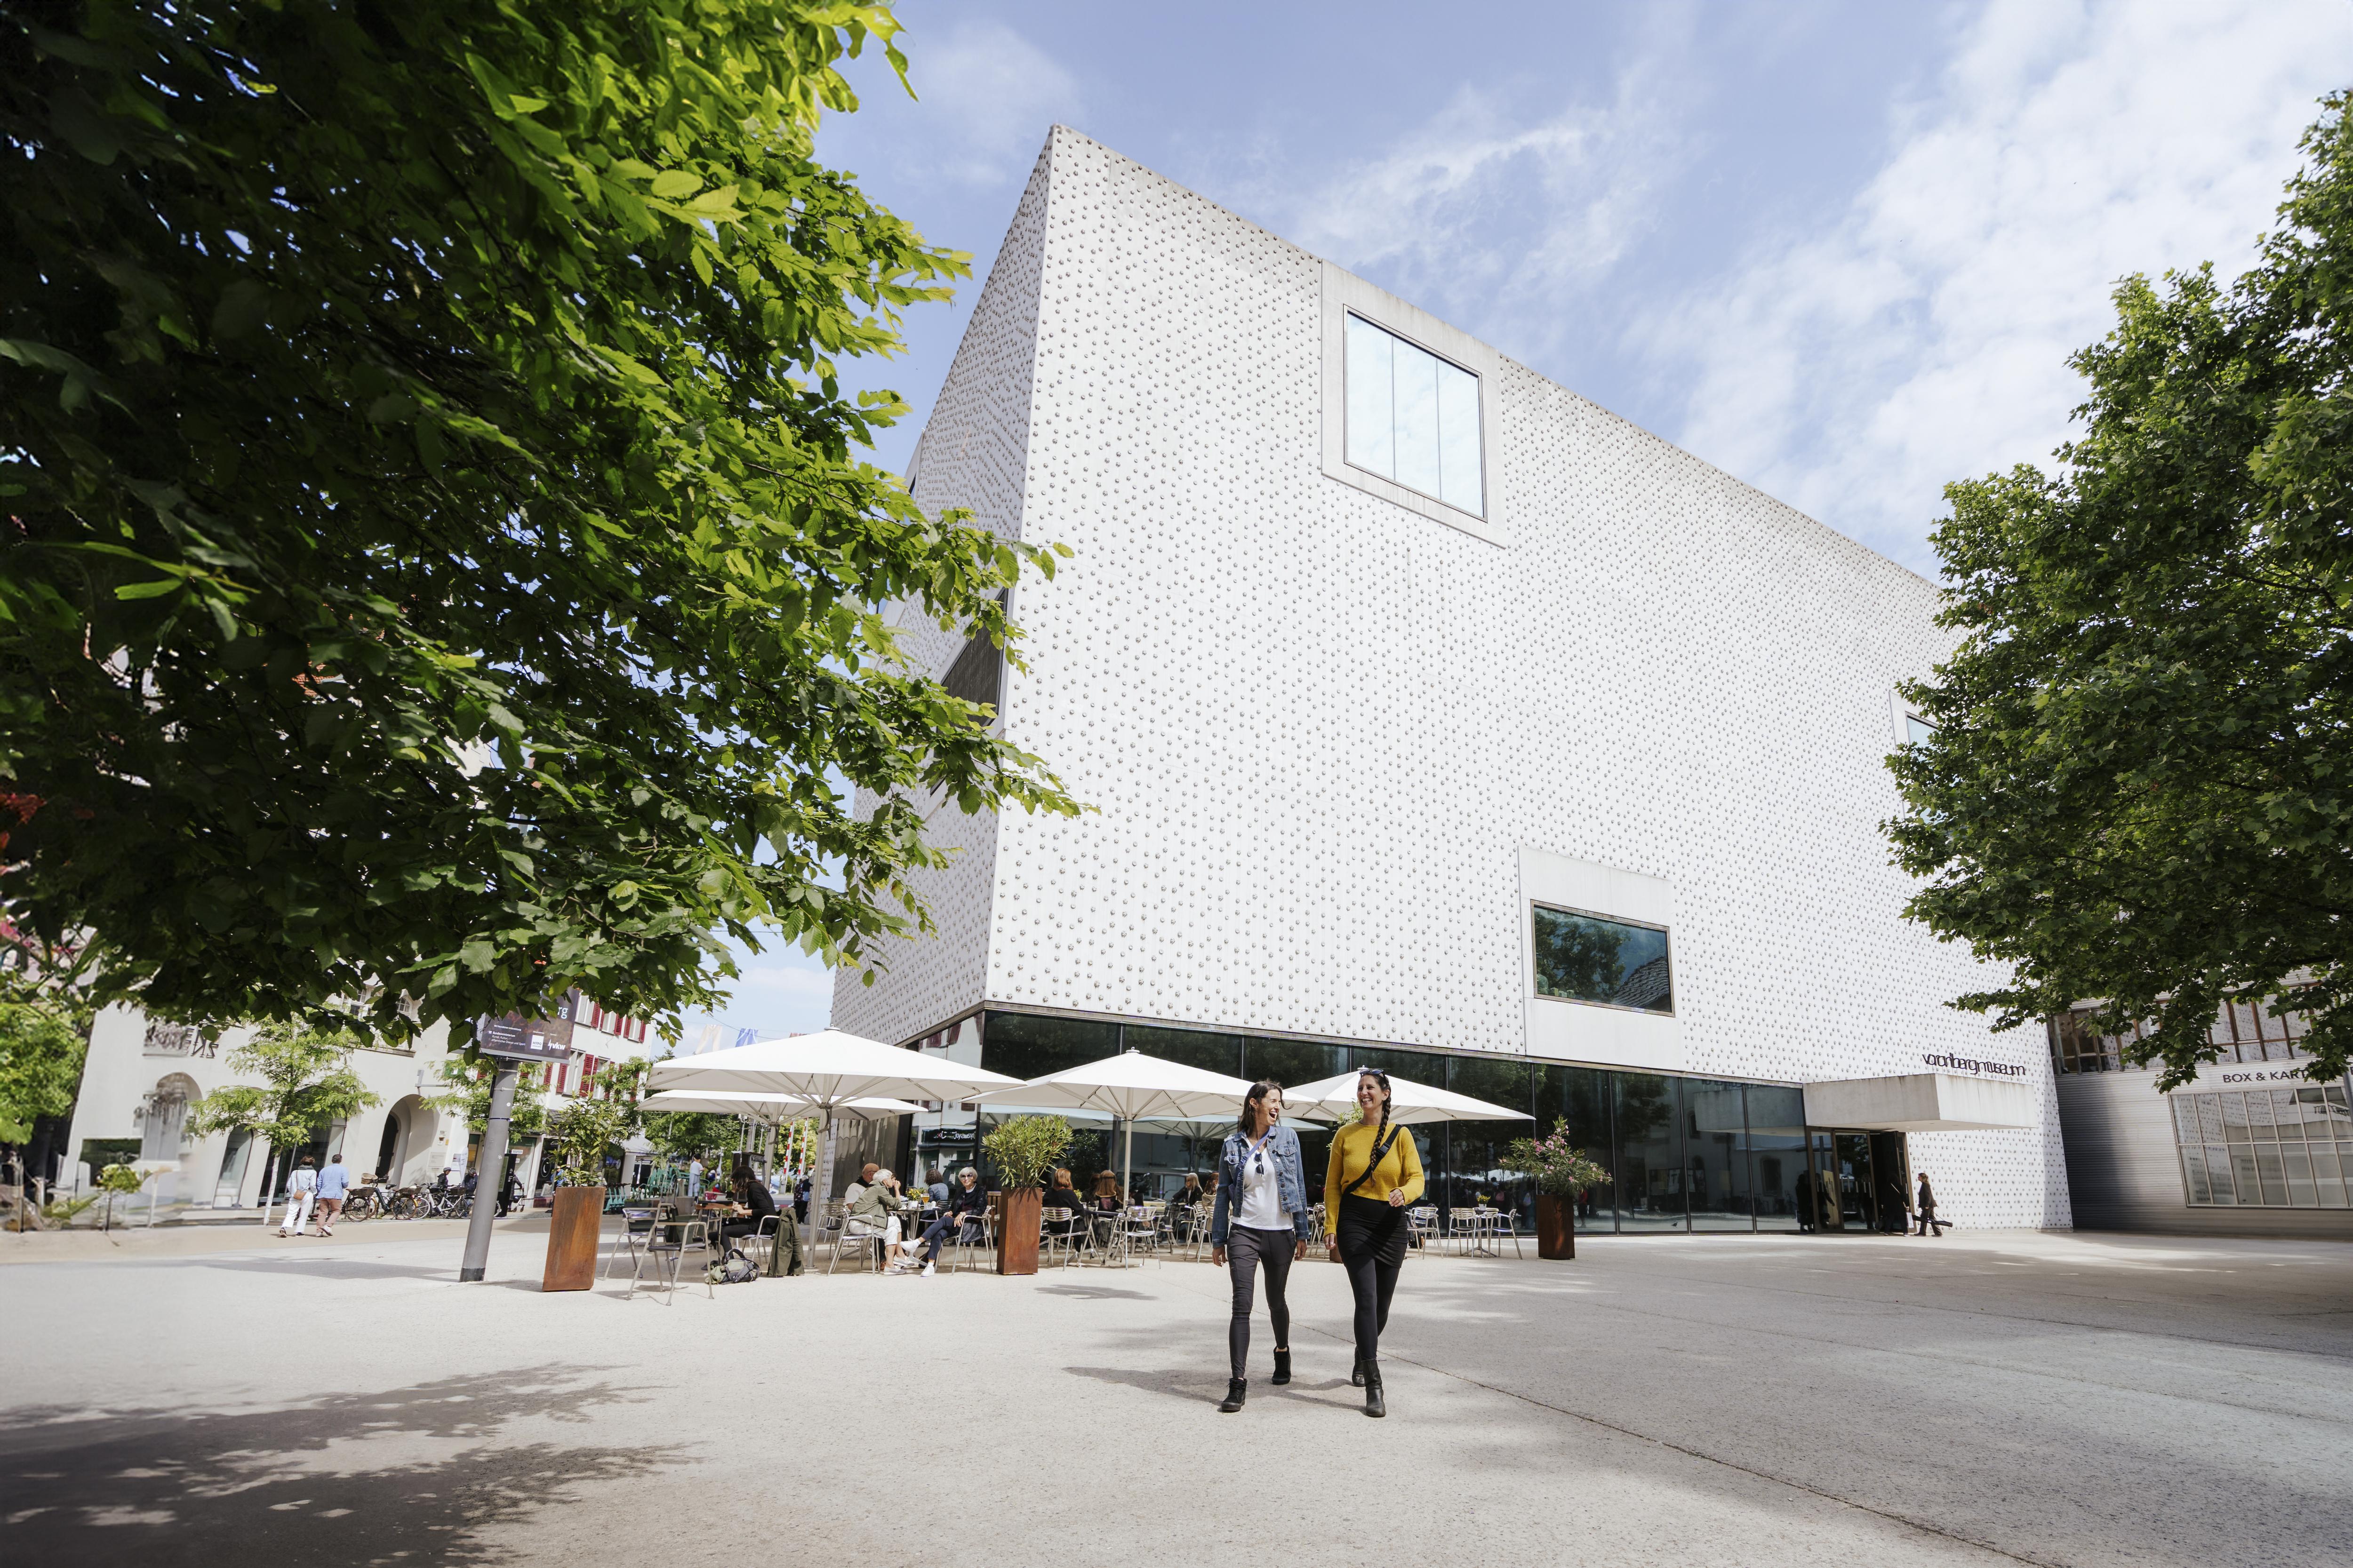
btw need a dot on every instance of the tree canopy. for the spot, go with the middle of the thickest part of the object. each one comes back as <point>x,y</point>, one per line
<point>306,1083</point>
<point>2140,791</point>
<point>41,1050</point>
<point>434,555</point>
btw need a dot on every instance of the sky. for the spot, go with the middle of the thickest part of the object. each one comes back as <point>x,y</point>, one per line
<point>1842,251</point>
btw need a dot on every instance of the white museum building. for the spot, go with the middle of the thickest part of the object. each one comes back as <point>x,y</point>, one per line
<point>1432,717</point>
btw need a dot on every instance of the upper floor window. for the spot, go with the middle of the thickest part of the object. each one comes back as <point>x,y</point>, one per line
<point>1917,731</point>
<point>1413,417</point>
<point>1584,958</point>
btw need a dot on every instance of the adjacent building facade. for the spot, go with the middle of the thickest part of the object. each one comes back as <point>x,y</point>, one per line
<point>142,1078</point>
<point>2250,1147</point>
<point>1432,716</point>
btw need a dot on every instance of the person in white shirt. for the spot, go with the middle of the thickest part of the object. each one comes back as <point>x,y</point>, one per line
<point>333,1183</point>
<point>1260,1222</point>
<point>301,1187</point>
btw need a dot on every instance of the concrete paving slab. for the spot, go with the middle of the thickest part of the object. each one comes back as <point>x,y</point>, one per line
<point>1982,1399</point>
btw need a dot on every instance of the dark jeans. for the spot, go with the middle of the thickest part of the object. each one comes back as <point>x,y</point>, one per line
<point>1372,1237</point>
<point>935,1234</point>
<point>1245,1252</point>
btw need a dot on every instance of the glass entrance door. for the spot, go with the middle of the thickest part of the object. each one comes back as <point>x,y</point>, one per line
<point>1857,1179</point>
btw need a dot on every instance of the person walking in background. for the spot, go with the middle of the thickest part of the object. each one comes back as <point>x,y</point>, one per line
<point>1925,1204</point>
<point>1376,1171</point>
<point>301,1187</point>
<point>1261,1220</point>
<point>334,1183</point>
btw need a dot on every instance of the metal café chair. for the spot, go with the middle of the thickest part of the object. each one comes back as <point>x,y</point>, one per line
<point>666,1247</point>
<point>635,1223</point>
<point>1423,1223</point>
<point>1137,1227</point>
<point>1504,1225</point>
<point>1066,1234</point>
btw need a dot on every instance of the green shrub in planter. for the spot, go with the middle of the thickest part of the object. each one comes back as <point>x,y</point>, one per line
<point>1024,1149</point>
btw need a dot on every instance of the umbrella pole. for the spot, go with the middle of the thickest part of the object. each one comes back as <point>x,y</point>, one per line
<point>821,1189</point>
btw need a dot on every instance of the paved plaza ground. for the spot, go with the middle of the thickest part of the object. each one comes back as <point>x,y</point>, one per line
<point>211,1397</point>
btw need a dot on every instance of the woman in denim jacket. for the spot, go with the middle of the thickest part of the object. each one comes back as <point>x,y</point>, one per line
<point>1260,1218</point>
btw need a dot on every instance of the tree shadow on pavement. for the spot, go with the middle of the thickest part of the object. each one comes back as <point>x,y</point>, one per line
<point>415,1475</point>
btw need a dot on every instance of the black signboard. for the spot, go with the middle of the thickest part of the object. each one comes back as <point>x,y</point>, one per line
<point>526,1039</point>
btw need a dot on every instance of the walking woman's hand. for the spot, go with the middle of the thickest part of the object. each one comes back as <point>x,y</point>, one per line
<point>1396,1197</point>
<point>1333,1247</point>
<point>1218,1257</point>
<point>1299,1254</point>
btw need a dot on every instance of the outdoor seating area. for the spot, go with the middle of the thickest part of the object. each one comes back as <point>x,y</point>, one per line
<point>666,1243</point>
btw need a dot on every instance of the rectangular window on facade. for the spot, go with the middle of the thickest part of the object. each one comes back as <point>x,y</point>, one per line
<point>2266,1148</point>
<point>1413,417</point>
<point>1584,958</point>
<point>1917,731</point>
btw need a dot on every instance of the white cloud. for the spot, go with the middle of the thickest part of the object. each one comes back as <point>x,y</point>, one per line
<point>990,94</point>
<point>1853,372</point>
<point>1492,224</point>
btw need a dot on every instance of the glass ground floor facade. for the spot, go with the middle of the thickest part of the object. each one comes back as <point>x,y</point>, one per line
<point>1684,1154</point>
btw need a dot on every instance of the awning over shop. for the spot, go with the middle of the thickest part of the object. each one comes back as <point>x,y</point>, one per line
<point>1919,1103</point>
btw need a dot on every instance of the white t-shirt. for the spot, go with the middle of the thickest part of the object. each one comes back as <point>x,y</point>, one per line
<point>1262,1192</point>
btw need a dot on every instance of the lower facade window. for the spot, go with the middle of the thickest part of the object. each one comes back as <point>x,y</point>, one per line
<point>1586,958</point>
<point>2266,1148</point>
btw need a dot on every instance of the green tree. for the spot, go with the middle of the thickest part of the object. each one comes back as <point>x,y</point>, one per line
<point>683,1136</point>
<point>586,1128</point>
<point>2140,789</point>
<point>307,1083</point>
<point>437,562</point>
<point>471,1078</point>
<point>41,1048</point>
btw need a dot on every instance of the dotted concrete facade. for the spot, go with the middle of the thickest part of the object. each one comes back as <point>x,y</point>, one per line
<point>1323,733</point>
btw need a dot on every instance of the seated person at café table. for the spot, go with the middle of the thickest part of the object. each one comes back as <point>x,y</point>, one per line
<point>965,1205</point>
<point>1190,1194</point>
<point>876,1213</point>
<point>1064,1196</point>
<point>1107,1190</point>
<point>750,1202</point>
<point>857,1189</point>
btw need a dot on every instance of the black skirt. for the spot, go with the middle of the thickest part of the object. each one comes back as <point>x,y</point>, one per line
<point>1368,1225</point>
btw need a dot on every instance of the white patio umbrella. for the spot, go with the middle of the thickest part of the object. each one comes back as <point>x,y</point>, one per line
<point>772,1110</point>
<point>1411,1103</point>
<point>830,1072</point>
<point>1133,1088</point>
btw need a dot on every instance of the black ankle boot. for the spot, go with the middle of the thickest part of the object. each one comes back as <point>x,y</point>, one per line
<point>1356,1373</point>
<point>1283,1366</point>
<point>1374,1405</point>
<point>1236,1391</point>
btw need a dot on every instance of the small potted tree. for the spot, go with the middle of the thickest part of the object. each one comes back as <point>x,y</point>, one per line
<point>578,1137</point>
<point>1022,1150</point>
<point>1562,1173</point>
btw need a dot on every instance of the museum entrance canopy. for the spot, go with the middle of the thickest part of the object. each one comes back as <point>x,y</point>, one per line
<point>1918,1102</point>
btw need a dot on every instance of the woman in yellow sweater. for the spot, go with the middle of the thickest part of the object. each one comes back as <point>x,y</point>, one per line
<point>1376,1171</point>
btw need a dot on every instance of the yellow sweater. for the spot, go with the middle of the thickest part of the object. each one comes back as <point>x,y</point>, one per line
<point>1351,1148</point>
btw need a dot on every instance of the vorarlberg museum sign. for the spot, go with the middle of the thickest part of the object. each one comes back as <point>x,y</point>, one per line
<point>1971,1064</point>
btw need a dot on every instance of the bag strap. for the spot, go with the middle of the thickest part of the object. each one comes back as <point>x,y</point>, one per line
<point>1380,1152</point>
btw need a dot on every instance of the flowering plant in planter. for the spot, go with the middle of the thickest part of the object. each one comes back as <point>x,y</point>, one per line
<point>1560,1168</point>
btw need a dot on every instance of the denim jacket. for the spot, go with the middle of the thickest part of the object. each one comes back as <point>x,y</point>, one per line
<point>1290,1181</point>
